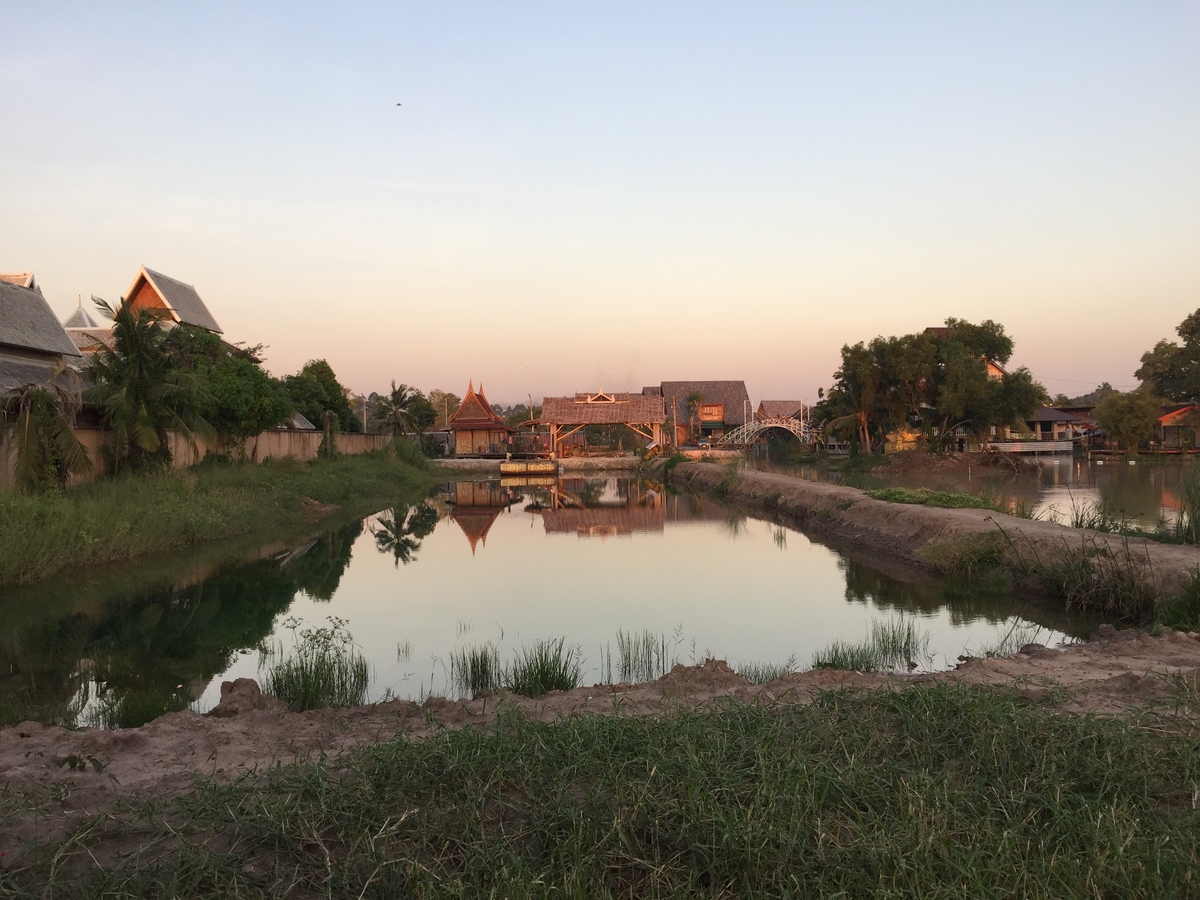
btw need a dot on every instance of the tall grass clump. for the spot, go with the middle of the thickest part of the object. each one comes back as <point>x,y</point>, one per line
<point>1183,612</point>
<point>1186,528</point>
<point>894,645</point>
<point>766,672</point>
<point>547,665</point>
<point>645,656</point>
<point>476,670</point>
<point>323,669</point>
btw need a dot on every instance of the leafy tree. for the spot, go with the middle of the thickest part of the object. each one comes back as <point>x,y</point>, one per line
<point>1172,370</point>
<point>315,389</point>
<point>987,339</point>
<point>850,406</point>
<point>445,404</point>
<point>39,420</point>
<point>1091,398</point>
<point>242,399</point>
<point>1129,418</point>
<point>141,392</point>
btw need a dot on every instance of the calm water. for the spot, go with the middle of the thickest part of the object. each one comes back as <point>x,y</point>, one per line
<point>480,562</point>
<point>1144,492</point>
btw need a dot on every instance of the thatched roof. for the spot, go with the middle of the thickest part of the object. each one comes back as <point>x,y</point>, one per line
<point>602,409</point>
<point>28,324</point>
<point>780,409</point>
<point>180,299</point>
<point>730,394</point>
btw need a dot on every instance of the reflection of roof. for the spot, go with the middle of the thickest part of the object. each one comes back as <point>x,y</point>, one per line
<point>28,323</point>
<point>604,521</point>
<point>475,522</point>
<point>180,299</point>
<point>602,409</point>
<point>730,394</point>
<point>475,413</point>
<point>776,409</point>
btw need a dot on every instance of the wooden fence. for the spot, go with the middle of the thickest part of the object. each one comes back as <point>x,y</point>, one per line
<point>302,445</point>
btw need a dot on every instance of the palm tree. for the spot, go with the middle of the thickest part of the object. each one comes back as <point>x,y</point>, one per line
<point>40,420</point>
<point>396,411</point>
<point>694,401</point>
<point>140,391</point>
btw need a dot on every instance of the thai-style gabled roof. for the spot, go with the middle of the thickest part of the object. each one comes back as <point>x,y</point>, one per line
<point>730,394</point>
<point>89,340</point>
<point>602,409</point>
<point>20,279</point>
<point>27,323</point>
<point>179,299</point>
<point>780,409</point>
<point>475,413</point>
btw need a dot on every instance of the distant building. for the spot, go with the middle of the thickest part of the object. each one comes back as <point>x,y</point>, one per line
<point>478,429</point>
<point>86,332</point>
<point>724,405</point>
<point>20,279</point>
<point>781,409</point>
<point>566,417</point>
<point>180,302</point>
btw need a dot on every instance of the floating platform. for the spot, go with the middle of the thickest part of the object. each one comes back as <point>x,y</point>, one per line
<point>528,467</point>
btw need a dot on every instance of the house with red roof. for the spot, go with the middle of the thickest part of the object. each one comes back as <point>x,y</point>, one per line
<point>478,429</point>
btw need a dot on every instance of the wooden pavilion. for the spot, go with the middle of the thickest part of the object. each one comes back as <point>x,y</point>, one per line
<point>478,430</point>
<point>565,416</point>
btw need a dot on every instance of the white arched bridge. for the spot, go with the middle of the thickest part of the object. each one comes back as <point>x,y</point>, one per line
<point>751,431</point>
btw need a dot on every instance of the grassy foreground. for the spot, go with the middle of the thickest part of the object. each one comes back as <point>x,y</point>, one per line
<point>934,791</point>
<point>123,519</point>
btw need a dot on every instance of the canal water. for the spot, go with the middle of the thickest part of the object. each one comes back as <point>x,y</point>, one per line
<point>1144,492</point>
<point>489,562</point>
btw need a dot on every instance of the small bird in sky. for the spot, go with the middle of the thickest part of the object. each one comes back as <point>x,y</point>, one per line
<point>399,104</point>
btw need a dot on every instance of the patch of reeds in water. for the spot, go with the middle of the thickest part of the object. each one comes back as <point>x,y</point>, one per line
<point>894,645</point>
<point>323,669</point>
<point>766,672</point>
<point>547,665</point>
<point>644,657</point>
<point>476,671</point>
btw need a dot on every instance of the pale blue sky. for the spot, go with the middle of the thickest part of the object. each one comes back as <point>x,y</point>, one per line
<point>606,195</point>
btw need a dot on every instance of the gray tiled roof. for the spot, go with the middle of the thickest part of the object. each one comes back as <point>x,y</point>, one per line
<point>625,408</point>
<point>16,373</point>
<point>730,394</point>
<point>28,323</point>
<point>81,318</point>
<point>183,300</point>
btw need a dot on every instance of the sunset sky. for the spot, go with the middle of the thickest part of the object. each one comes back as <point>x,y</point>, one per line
<point>600,196</point>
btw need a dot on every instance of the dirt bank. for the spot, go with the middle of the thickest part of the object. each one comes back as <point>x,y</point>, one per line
<point>86,772</point>
<point>915,534</point>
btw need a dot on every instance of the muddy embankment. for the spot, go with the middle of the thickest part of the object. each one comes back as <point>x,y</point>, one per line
<point>932,537</point>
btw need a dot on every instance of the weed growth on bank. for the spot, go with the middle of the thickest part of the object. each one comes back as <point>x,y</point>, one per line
<point>323,668</point>
<point>894,645</point>
<point>929,792</point>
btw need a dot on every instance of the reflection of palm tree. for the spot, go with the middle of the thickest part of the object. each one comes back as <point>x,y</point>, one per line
<point>402,528</point>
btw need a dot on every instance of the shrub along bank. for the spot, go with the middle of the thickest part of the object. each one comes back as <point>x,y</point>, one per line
<point>129,517</point>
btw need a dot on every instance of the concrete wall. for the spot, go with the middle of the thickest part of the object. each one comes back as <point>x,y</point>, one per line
<point>302,445</point>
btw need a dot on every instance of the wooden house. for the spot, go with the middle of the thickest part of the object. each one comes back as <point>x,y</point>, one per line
<point>478,430</point>
<point>781,409</point>
<point>1177,427</point>
<point>178,302</point>
<point>723,406</point>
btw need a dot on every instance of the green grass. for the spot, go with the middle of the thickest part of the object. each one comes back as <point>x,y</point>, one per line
<point>894,645</point>
<point>476,670</point>
<point>323,669</point>
<point>926,497</point>
<point>547,665</point>
<point>938,791</point>
<point>645,656</point>
<point>765,673</point>
<point>119,520</point>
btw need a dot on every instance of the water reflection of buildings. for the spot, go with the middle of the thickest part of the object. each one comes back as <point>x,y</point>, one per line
<point>477,505</point>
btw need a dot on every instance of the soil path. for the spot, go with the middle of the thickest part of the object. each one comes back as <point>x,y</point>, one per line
<point>907,531</point>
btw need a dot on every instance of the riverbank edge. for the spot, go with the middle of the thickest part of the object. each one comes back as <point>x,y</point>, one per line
<point>131,519</point>
<point>918,535</point>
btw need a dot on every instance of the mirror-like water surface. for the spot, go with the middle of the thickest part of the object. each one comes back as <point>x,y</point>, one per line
<point>485,562</point>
